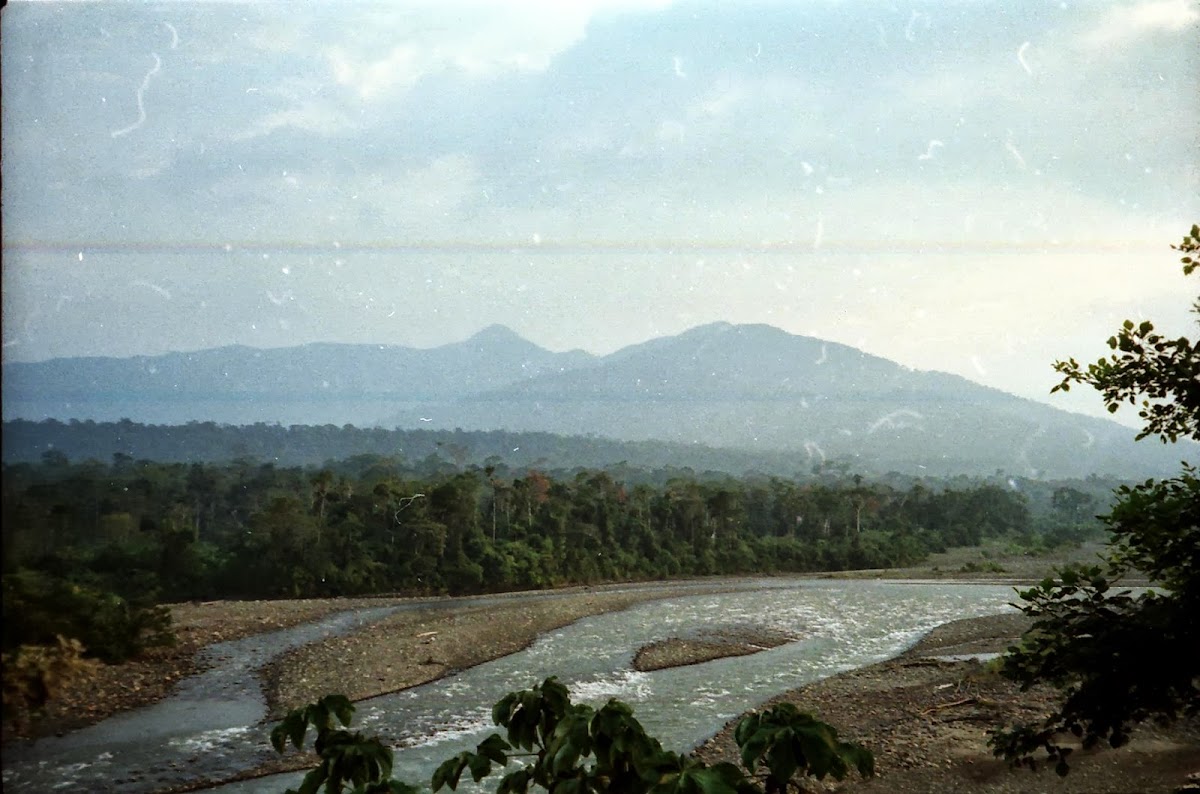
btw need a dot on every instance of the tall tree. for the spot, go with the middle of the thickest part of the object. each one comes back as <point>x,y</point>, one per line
<point>1162,374</point>
<point>1122,659</point>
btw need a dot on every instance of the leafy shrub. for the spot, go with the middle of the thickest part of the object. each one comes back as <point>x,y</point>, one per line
<point>788,741</point>
<point>575,748</point>
<point>988,566</point>
<point>38,608</point>
<point>33,674</point>
<point>345,757</point>
<point>1120,659</point>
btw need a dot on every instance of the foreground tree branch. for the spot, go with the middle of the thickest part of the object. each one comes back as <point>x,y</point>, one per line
<point>1122,659</point>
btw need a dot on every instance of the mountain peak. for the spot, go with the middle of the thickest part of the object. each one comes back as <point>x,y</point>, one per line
<point>493,337</point>
<point>497,333</point>
<point>718,327</point>
<point>497,340</point>
<point>744,334</point>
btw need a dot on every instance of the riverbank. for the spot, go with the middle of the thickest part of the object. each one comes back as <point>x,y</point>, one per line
<point>111,689</point>
<point>926,719</point>
<point>107,690</point>
<point>920,715</point>
<point>412,648</point>
<point>405,650</point>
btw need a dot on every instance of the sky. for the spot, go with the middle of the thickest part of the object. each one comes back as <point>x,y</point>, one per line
<point>975,187</point>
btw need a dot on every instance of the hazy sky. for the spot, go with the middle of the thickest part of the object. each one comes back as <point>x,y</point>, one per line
<point>977,187</point>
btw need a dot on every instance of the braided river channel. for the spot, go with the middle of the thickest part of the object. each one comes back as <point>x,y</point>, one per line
<point>212,727</point>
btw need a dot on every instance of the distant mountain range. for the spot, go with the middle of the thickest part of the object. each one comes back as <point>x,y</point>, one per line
<point>746,387</point>
<point>311,384</point>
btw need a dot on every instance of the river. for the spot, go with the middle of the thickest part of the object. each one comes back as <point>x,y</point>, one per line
<point>210,729</point>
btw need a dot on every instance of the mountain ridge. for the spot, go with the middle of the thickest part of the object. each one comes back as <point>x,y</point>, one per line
<point>754,388</point>
<point>758,388</point>
<point>313,383</point>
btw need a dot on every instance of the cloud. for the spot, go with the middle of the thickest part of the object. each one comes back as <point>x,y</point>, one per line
<point>1125,24</point>
<point>723,98</point>
<point>417,43</point>
<point>423,202</point>
<point>400,69</point>
<point>435,190</point>
<point>493,124</point>
<point>310,116</point>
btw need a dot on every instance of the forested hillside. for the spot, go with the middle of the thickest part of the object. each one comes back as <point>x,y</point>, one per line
<point>313,445</point>
<point>753,389</point>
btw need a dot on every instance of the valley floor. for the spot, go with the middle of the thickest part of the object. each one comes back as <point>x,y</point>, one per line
<point>925,719</point>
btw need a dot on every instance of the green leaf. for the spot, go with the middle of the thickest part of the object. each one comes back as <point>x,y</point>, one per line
<point>514,783</point>
<point>312,781</point>
<point>295,726</point>
<point>858,757</point>
<point>565,758</point>
<point>480,766</point>
<point>448,773</point>
<point>495,748</point>
<point>279,737</point>
<point>790,741</point>
<point>341,706</point>
<point>502,711</point>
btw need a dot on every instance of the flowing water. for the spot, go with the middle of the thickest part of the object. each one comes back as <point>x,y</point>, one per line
<point>195,736</point>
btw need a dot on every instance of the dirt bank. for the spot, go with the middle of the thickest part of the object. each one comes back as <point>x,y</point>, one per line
<point>412,648</point>
<point>927,720</point>
<point>116,688</point>
<point>111,689</point>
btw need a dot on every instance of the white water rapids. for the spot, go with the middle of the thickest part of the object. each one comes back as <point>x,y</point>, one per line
<point>211,729</point>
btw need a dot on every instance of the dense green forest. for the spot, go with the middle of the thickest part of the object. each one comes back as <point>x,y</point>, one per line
<point>92,550</point>
<point>153,532</point>
<point>312,445</point>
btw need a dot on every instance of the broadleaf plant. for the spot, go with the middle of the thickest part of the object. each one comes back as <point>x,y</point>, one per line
<point>574,748</point>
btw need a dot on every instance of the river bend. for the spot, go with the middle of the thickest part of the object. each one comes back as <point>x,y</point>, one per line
<point>211,727</point>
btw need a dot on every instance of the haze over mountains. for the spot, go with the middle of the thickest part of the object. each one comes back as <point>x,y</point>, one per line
<point>749,387</point>
<point>312,384</point>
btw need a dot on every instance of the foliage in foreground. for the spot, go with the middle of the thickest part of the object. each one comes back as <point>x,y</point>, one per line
<point>1164,374</point>
<point>39,609</point>
<point>33,674</point>
<point>55,632</point>
<point>567,747</point>
<point>346,758</point>
<point>1122,659</point>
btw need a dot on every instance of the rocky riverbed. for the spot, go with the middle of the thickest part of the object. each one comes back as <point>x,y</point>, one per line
<point>925,717</point>
<point>412,648</point>
<point>707,645</point>
<point>927,720</point>
<point>111,689</point>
